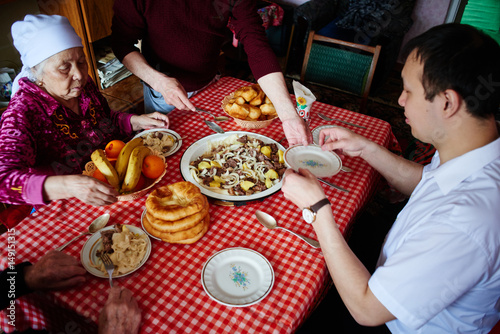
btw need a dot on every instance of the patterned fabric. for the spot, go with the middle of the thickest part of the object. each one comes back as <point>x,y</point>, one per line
<point>374,17</point>
<point>168,287</point>
<point>40,137</point>
<point>420,152</point>
<point>271,15</point>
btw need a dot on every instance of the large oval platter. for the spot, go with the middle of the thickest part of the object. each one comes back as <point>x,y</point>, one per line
<point>200,147</point>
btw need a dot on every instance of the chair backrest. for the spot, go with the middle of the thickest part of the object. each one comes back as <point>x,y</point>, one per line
<point>339,64</point>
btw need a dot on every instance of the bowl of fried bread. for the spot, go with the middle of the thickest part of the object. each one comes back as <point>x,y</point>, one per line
<point>250,107</point>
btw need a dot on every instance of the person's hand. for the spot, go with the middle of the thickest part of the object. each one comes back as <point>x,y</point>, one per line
<point>173,92</point>
<point>89,190</point>
<point>302,188</point>
<point>296,131</point>
<point>343,142</point>
<point>120,314</point>
<point>149,121</point>
<point>54,270</point>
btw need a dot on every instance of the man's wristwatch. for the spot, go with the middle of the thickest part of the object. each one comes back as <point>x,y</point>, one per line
<point>309,214</point>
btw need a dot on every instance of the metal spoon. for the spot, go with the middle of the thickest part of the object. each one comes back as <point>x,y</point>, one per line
<point>326,118</point>
<point>216,118</point>
<point>96,225</point>
<point>268,221</point>
<point>214,126</point>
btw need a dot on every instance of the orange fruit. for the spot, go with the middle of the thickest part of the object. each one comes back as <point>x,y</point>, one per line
<point>152,166</point>
<point>140,185</point>
<point>98,175</point>
<point>113,148</point>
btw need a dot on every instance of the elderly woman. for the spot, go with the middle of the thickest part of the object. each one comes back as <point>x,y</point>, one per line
<point>56,119</point>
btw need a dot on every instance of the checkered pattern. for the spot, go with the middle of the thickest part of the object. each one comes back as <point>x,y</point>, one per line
<point>168,286</point>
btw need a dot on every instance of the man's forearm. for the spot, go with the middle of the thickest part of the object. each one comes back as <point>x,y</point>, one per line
<point>349,275</point>
<point>402,174</point>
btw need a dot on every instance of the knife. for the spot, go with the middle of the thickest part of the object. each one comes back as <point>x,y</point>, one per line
<point>333,185</point>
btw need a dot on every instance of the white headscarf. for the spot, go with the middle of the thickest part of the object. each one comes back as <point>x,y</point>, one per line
<point>39,37</point>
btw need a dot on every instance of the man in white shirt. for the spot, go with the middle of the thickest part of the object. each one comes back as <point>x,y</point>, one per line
<point>439,268</point>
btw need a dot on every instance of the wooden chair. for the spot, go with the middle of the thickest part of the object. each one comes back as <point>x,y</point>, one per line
<point>346,66</point>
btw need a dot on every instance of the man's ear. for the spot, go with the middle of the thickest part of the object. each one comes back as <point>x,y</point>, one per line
<point>452,102</point>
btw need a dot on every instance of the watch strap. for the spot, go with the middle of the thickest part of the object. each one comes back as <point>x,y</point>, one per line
<point>315,208</point>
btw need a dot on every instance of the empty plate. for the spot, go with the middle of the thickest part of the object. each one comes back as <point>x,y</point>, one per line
<point>237,277</point>
<point>312,157</point>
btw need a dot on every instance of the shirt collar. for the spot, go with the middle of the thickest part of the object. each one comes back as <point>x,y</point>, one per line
<point>451,173</point>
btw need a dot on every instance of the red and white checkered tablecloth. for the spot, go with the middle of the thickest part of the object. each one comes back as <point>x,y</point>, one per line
<point>168,287</point>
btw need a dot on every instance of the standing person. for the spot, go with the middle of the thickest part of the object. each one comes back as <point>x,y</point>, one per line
<point>180,47</point>
<point>56,118</point>
<point>439,267</point>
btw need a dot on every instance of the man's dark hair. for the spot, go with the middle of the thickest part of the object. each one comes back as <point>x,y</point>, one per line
<point>462,58</point>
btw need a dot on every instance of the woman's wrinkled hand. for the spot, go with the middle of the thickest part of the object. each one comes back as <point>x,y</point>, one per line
<point>90,190</point>
<point>302,188</point>
<point>149,121</point>
<point>120,314</point>
<point>54,270</point>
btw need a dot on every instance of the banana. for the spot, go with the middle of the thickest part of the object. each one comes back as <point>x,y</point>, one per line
<point>102,163</point>
<point>134,168</point>
<point>124,156</point>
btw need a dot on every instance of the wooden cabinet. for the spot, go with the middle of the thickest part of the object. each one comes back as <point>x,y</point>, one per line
<point>91,20</point>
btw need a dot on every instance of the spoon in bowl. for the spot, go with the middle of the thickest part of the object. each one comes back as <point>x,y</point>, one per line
<point>96,225</point>
<point>268,221</point>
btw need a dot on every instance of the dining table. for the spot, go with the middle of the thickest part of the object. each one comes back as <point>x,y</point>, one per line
<point>168,286</point>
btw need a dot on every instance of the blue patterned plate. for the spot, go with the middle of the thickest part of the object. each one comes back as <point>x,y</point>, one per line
<point>237,277</point>
<point>312,157</point>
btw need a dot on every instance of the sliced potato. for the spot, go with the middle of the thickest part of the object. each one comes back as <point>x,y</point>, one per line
<point>204,165</point>
<point>245,185</point>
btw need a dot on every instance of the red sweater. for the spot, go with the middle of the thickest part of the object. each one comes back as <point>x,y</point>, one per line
<point>183,38</point>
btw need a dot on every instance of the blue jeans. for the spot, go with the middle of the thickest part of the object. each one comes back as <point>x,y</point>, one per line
<point>154,101</point>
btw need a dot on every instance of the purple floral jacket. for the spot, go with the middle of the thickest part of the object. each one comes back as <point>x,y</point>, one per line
<point>39,137</point>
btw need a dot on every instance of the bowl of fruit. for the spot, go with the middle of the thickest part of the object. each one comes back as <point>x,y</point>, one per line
<point>132,168</point>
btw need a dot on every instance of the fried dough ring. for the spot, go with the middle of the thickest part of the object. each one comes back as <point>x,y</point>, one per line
<point>182,237</point>
<point>175,201</point>
<point>186,223</point>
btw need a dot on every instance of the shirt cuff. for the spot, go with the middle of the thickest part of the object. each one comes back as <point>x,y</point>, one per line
<point>33,190</point>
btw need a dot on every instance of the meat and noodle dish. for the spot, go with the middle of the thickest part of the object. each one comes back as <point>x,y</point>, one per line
<point>239,166</point>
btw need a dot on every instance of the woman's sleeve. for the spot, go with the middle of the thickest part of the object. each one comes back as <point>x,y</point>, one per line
<point>20,181</point>
<point>250,32</point>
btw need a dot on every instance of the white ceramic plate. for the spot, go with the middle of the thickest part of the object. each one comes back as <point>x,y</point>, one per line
<point>201,147</point>
<point>237,277</point>
<point>312,157</point>
<point>88,254</point>
<point>178,141</point>
<point>317,130</point>
<point>142,224</point>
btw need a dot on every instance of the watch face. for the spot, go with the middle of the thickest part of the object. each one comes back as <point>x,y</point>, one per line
<point>308,215</point>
